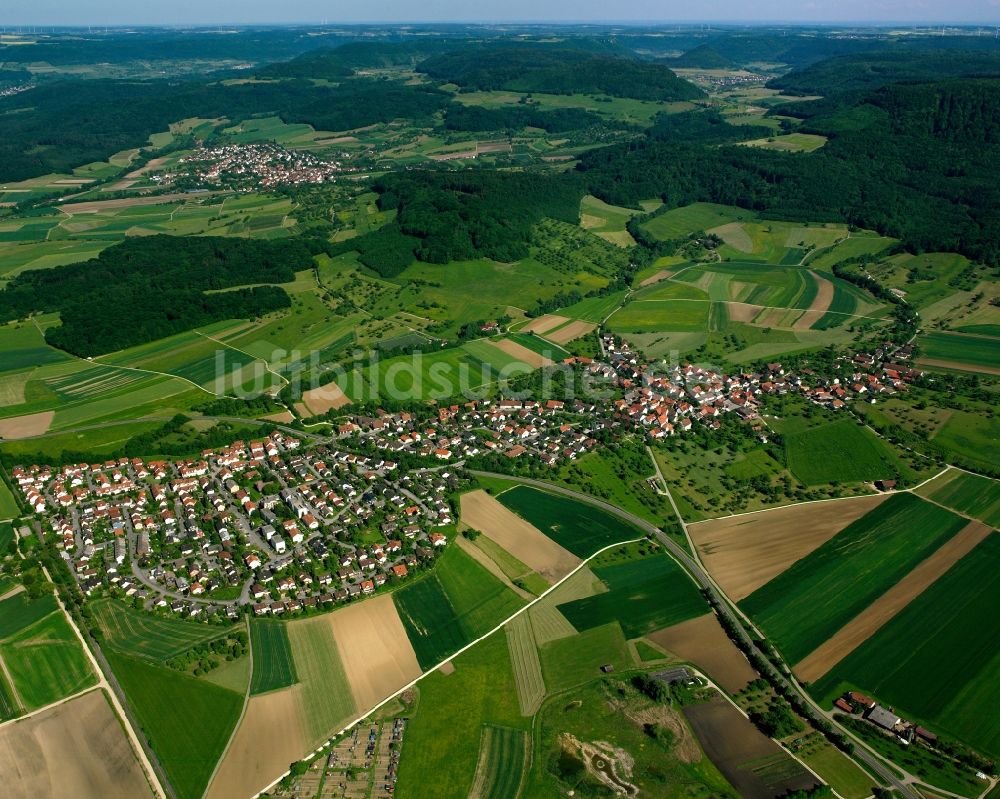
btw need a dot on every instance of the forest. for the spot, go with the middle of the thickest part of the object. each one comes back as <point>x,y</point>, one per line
<point>146,288</point>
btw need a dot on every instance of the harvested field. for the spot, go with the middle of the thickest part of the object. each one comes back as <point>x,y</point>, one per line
<point>522,353</point>
<point>742,553</point>
<point>663,274</point>
<point>754,764</point>
<point>269,737</point>
<point>526,664</point>
<point>703,642</point>
<point>742,311</point>
<point>876,615</point>
<point>376,651</point>
<point>820,304</point>
<point>325,398</point>
<point>544,323</point>
<point>735,235</point>
<point>571,331</point>
<point>96,206</point>
<point>547,622</point>
<point>526,543</point>
<point>75,749</point>
<point>491,566</point>
<point>33,424</point>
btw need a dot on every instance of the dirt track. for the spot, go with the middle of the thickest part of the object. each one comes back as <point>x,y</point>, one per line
<point>76,749</point>
<point>704,643</point>
<point>882,610</point>
<point>526,543</point>
<point>744,552</point>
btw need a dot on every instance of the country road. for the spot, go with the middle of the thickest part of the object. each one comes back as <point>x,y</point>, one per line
<point>722,604</point>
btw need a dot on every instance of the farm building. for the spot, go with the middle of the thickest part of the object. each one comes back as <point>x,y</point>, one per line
<point>882,717</point>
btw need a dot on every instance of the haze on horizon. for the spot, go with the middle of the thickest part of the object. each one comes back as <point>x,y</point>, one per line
<point>257,12</point>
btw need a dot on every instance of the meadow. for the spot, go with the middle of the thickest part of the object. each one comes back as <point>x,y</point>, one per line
<point>679,222</point>
<point>790,143</point>
<point>968,493</point>
<point>644,595</point>
<point>839,451</point>
<point>272,656</point>
<point>155,638</point>
<point>960,351</point>
<point>650,316</point>
<point>577,659</point>
<point>806,604</point>
<point>8,506</point>
<point>187,721</point>
<point>949,631</point>
<point>581,528</point>
<point>503,753</point>
<point>18,612</point>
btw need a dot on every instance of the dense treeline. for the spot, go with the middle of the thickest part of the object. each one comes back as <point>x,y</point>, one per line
<point>515,117</point>
<point>871,70</point>
<point>454,216</point>
<point>704,56</point>
<point>146,288</point>
<point>558,70</point>
<point>912,161</point>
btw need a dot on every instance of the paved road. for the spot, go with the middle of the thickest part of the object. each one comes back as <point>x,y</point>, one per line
<point>722,605</point>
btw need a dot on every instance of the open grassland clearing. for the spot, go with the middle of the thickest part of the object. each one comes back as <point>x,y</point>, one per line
<point>482,512</point>
<point>442,744</point>
<point>374,648</point>
<point>188,721</point>
<point>878,613</point>
<point>789,143</point>
<point>970,353</point>
<point>46,662</point>
<point>925,278</point>
<point>744,552</point>
<point>650,316</point>
<point>607,221</point>
<point>838,451</point>
<point>272,656</point>
<point>702,641</point>
<point>679,222</point>
<point>144,635</point>
<point>644,594</point>
<point>503,756</point>
<point>949,631</point>
<point>971,494</point>
<point>624,109</point>
<point>76,749</point>
<point>22,345</point>
<point>580,528</point>
<point>572,661</point>
<point>525,663</point>
<point>754,764</point>
<point>269,738</point>
<point>806,604</point>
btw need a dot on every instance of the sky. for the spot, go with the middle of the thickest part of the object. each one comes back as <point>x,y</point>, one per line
<point>212,12</point>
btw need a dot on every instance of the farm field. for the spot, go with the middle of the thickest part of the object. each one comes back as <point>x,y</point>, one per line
<point>756,766</point>
<point>272,656</point>
<point>968,493</point>
<point>503,754</point>
<point>188,721</point>
<point>527,667</point>
<point>46,662</point>
<point>947,631</point>
<point>702,641</point>
<point>650,316</point>
<point>581,528</point>
<point>644,594</point>
<point>971,353</point>
<point>577,659</point>
<point>838,451</point>
<point>19,611</point>
<point>607,221</point>
<point>144,635</point>
<point>8,504</point>
<point>75,749</point>
<point>807,603</point>
<point>679,222</point>
<point>742,553</point>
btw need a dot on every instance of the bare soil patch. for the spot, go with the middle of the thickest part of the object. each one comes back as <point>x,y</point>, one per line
<point>742,311</point>
<point>284,417</point>
<point>34,424</point>
<point>882,610</point>
<point>571,331</point>
<point>703,642</point>
<point>376,652</point>
<point>744,552</point>
<point>544,323</point>
<point>269,737</point>
<point>820,304</point>
<point>77,749</point>
<point>526,543</point>
<point>522,353</point>
<point>663,274</point>
<point>325,398</point>
<point>732,743</point>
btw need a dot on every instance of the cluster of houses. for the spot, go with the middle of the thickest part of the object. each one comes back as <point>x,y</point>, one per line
<point>884,718</point>
<point>255,166</point>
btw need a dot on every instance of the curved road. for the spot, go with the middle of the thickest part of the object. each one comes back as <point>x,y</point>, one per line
<point>721,605</point>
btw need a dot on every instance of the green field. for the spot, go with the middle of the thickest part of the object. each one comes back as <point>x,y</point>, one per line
<point>961,351</point>
<point>643,595</point>
<point>581,528</point>
<point>938,658</point>
<point>457,603</point>
<point>806,604</point>
<point>679,222</point>
<point>502,756</point>
<point>188,721</point>
<point>272,656</point>
<point>8,507</point>
<point>839,451</point>
<point>567,662</point>
<point>790,143</point>
<point>46,662</point>
<point>650,316</point>
<point>967,493</point>
<point>18,612</point>
<point>155,638</point>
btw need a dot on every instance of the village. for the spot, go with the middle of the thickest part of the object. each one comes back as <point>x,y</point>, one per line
<point>284,527</point>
